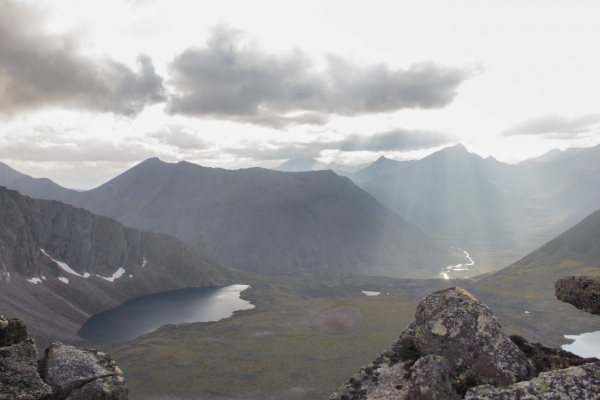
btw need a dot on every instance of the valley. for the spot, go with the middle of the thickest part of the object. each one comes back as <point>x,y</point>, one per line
<point>333,274</point>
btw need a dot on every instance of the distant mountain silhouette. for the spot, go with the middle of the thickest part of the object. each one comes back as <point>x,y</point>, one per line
<point>447,194</point>
<point>382,166</point>
<point>552,155</point>
<point>267,221</point>
<point>310,164</point>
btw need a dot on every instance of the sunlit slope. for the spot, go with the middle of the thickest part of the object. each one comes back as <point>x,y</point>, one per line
<point>268,221</point>
<point>575,252</point>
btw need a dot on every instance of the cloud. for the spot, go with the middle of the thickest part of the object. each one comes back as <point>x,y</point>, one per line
<point>39,71</point>
<point>179,137</point>
<point>396,140</point>
<point>555,126</point>
<point>401,140</point>
<point>45,148</point>
<point>231,78</point>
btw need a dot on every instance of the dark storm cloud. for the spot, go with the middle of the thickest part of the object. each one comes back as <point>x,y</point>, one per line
<point>179,137</point>
<point>39,70</point>
<point>555,126</point>
<point>401,140</point>
<point>231,78</point>
<point>396,140</point>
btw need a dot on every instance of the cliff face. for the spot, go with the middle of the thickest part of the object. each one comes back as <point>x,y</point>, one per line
<point>65,372</point>
<point>60,264</point>
<point>456,349</point>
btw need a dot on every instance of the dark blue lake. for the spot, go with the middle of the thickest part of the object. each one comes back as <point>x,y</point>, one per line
<point>145,314</point>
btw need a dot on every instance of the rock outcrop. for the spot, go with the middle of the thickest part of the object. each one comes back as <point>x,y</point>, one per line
<point>65,372</point>
<point>18,364</point>
<point>456,347</point>
<point>581,291</point>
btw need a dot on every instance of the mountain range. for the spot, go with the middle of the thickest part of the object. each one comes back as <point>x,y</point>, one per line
<point>261,220</point>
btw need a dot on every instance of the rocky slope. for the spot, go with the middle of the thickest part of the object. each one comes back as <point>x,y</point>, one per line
<point>456,349</point>
<point>60,264</point>
<point>65,372</point>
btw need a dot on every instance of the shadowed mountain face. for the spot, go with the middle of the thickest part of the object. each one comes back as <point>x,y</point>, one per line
<point>60,264</point>
<point>268,221</point>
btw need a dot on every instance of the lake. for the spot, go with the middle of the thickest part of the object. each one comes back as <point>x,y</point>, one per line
<point>145,314</point>
<point>584,345</point>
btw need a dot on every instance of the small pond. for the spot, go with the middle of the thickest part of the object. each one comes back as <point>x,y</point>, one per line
<point>145,314</point>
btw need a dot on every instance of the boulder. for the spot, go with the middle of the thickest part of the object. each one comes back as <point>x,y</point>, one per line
<point>12,331</point>
<point>81,374</point>
<point>453,324</point>
<point>581,291</point>
<point>456,345</point>
<point>18,364</point>
<point>582,383</point>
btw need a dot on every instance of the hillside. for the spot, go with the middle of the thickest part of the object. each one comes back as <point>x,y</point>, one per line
<point>60,264</point>
<point>574,252</point>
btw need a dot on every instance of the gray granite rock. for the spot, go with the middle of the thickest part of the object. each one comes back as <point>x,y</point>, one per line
<point>582,383</point>
<point>453,324</point>
<point>581,291</point>
<point>68,370</point>
<point>19,379</point>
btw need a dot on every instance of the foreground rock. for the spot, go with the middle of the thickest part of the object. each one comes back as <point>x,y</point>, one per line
<point>581,291</point>
<point>66,372</point>
<point>582,383</point>
<point>456,344</point>
<point>18,363</point>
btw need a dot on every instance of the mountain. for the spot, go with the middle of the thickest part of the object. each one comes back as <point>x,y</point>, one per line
<point>268,221</point>
<point>301,165</point>
<point>310,164</point>
<point>552,155</point>
<point>60,264</point>
<point>446,194</point>
<point>40,188</point>
<point>382,166</point>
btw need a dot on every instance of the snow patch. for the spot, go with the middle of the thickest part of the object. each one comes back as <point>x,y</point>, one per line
<point>63,279</point>
<point>114,276</point>
<point>131,276</point>
<point>43,277</point>
<point>526,312</point>
<point>34,280</point>
<point>371,293</point>
<point>144,262</point>
<point>65,267</point>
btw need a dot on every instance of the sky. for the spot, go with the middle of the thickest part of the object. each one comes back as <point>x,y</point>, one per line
<point>90,88</point>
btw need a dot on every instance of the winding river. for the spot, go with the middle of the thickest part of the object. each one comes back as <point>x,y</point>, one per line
<point>447,271</point>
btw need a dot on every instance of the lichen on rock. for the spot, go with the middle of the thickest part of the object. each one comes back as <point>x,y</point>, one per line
<point>581,291</point>
<point>456,344</point>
